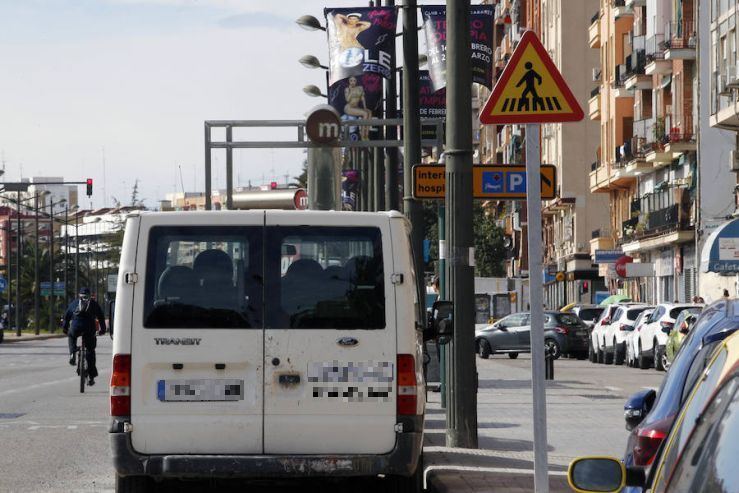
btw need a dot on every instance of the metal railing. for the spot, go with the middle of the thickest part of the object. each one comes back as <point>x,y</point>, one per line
<point>679,128</point>
<point>595,92</point>
<point>681,34</point>
<point>655,47</point>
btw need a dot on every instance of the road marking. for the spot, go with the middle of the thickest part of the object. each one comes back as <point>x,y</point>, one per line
<point>498,470</point>
<point>37,386</point>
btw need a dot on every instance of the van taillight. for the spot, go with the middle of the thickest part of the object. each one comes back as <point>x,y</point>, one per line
<point>120,386</point>
<point>407,385</point>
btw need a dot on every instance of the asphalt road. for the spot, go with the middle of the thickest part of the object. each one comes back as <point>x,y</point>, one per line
<point>52,438</point>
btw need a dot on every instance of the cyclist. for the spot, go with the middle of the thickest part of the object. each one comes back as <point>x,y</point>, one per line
<point>79,320</point>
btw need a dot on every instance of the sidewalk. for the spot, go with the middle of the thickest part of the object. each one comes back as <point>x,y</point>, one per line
<point>11,337</point>
<point>495,467</point>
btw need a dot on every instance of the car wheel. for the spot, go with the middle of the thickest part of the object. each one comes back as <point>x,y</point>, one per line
<point>591,353</point>
<point>618,356</point>
<point>2,335</point>
<point>659,358</point>
<point>132,484</point>
<point>513,355</point>
<point>552,348</point>
<point>607,355</point>
<point>599,357</point>
<point>582,355</point>
<point>483,349</point>
<point>644,362</point>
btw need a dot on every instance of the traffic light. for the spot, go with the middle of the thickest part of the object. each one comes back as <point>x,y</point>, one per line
<point>89,187</point>
<point>273,185</point>
<point>585,286</point>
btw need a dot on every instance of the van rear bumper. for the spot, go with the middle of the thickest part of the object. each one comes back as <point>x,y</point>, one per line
<point>402,461</point>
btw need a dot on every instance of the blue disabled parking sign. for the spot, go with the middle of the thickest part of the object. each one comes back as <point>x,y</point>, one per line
<point>492,181</point>
<point>3,284</point>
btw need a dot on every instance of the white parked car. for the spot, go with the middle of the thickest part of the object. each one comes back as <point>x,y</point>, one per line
<point>614,338</point>
<point>597,335</point>
<point>633,336</point>
<point>653,335</point>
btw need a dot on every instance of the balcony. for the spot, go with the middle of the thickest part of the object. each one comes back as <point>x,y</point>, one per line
<point>636,3</point>
<point>654,227</point>
<point>681,135</point>
<point>655,56</point>
<point>619,178</point>
<point>621,10</point>
<point>635,78</point>
<point>619,88</point>
<point>635,163</point>
<point>600,240</point>
<point>599,179</point>
<point>681,41</point>
<point>594,104</point>
<point>594,31</point>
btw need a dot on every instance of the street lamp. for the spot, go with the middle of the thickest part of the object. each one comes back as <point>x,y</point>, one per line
<point>51,261</point>
<point>313,91</point>
<point>309,23</point>
<point>309,61</point>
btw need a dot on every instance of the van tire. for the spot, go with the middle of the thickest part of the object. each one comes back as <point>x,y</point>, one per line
<point>132,484</point>
<point>483,349</point>
<point>513,355</point>
<point>407,484</point>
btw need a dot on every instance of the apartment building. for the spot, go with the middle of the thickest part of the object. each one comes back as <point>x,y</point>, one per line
<point>718,229</point>
<point>646,102</point>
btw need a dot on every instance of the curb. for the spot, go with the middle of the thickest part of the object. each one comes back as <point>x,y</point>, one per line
<point>13,338</point>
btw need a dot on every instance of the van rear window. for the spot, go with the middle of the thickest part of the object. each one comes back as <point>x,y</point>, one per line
<point>321,277</point>
<point>204,277</point>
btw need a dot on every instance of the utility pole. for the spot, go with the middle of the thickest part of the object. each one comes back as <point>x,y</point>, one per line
<point>460,255</point>
<point>51,264</point>
<point>36,275</point>
<point>19,245</point>
<point>412,135</point>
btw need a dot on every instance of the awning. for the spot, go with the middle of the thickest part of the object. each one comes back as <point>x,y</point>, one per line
<point>721,251</point>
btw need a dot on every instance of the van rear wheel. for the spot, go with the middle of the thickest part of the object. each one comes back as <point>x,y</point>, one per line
<point>407,484</point>
<point>132,484</point>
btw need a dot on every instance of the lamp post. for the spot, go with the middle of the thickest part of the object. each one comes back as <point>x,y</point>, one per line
<point>36,274</point>
<point>51,262</point>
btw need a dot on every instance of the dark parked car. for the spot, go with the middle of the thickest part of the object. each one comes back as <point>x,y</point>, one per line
<point>587,313</point>
<point>563,333</point>
<point>650,417</point>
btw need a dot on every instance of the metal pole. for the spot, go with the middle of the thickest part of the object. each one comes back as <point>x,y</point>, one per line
<point>533,210</point>
<point>229,169</point>
<point>379,179</point>
<point>442,348</point>
<point>36,274</point>
<point>363,178</point>
<point>66,253</point>
<point>9,232</point>
<point>462,375</point>
<point>369,159</point>
<point>391,132</point>
<point>76,253</point>
<point>19,246</point>
<point>51,266</point>
<point>412,135</point>
<point>208,194</point>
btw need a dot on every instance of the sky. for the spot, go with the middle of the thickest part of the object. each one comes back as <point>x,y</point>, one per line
<point>118,90</point>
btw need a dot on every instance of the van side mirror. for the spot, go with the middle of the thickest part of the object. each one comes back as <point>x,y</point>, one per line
<point>637,407</point>
<point>441,311</point>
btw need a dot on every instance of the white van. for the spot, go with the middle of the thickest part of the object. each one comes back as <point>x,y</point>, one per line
<point>267,344</point>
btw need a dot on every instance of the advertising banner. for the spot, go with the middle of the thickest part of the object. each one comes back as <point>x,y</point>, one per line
<point>358,97</point>
<point>349,187</point>
<point>361,41</point>
<point>481,28</point>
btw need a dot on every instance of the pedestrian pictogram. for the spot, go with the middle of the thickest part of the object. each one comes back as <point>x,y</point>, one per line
<point>531,89</point>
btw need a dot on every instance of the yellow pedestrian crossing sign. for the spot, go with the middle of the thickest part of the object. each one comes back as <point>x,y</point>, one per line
<point>531,89</point>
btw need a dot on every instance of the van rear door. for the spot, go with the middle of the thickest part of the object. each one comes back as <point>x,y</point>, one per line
<point>330,335</point>
<point>197,340</point>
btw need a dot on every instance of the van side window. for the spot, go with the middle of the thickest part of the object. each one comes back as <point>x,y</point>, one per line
<point>203,277</point>
<point>324,278</point>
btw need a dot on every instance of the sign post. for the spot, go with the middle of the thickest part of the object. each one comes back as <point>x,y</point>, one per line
<point>532,91</point>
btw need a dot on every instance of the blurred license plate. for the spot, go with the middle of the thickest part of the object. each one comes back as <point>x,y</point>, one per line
<point>228,389</point>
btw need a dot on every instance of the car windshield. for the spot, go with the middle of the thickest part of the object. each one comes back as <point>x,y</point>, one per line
<point>568,319</point>
<point>634,312</point>
<point>676,311</point>
<point>589,314</point>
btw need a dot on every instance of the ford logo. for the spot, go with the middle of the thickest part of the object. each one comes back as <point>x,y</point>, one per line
<point>347,341</point>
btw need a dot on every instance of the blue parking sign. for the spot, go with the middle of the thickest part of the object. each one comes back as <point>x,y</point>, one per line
<point>3,284</point>
<point>492,181</point>
<point>516,182</point>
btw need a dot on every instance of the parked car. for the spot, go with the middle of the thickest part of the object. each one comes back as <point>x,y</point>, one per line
<point>563,333</point>
<point>700,451</point>
<point>587,313</point>
<point>633,336</point>
<point>649,414</point>
<point>653,336</point>
<point>614,338</point>
<point>683,324</point>
<point>597,335</point>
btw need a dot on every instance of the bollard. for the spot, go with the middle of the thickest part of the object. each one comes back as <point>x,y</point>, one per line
<point>548,364</point>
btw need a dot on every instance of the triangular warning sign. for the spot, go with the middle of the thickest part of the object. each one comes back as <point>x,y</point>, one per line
<point>531,89</point>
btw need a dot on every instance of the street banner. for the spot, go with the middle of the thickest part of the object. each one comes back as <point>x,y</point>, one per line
<point>358,97</point>
<point>481,28</point>
<point>349,187</point>
<point>431,104</point>
<point>361,40</point>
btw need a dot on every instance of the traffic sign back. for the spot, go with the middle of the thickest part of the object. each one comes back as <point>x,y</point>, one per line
<point>531,89</point>
<point>488,181</point>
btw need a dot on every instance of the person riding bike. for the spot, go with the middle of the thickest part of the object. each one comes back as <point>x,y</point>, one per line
<point>79,320</point>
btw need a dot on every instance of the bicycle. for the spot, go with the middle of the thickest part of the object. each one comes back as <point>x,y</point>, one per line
<point>82,366</point>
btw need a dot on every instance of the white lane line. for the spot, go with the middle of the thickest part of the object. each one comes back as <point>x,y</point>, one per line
<point>37,386</point>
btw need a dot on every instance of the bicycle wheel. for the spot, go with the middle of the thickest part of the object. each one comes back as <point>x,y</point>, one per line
<point>82,366</point>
